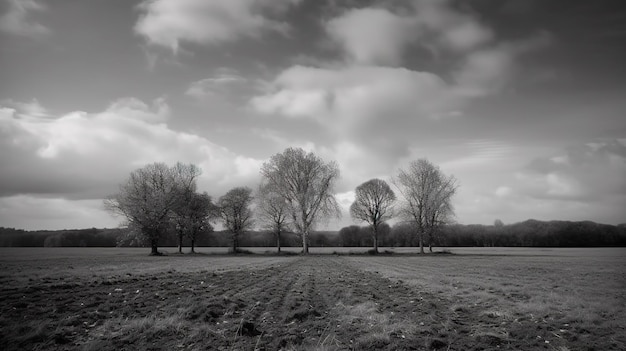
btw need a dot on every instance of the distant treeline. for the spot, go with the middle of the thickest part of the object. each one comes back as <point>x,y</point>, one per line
<point>123,237</point>
<point>10,237</point>
<point>530,233</point>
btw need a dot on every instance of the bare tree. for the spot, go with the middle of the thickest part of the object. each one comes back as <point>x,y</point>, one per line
<point>306,183</point>
<point>147,200</point>
<point>271,211</point>
<point>194,217</point>
<point>234,209</point>
<point>183,214</point>
<point>427,194</point>
<point>373,204</point>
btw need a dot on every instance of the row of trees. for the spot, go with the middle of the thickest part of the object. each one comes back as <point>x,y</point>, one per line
<point>295,194</point>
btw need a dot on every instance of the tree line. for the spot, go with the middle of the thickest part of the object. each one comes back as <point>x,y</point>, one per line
<point>295,194</point>
<point>530,233</point>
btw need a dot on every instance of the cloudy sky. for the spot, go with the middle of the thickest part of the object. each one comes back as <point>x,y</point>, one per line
<point>523,101</point>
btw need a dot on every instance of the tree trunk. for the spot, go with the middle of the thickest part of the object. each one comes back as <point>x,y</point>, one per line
<point>235,243</point>
<point>305,233</point>
<point>421,241</point>
<point>192,245</point>
<point>431,239</point>
<point>278,241</point>
<point>305,242</point>
<point>180,243</point>
<point>154,247</point>
<point>375,237</point>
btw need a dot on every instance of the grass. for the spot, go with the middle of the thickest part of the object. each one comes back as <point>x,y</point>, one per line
<point>558,301</point>
<point>119,331</point>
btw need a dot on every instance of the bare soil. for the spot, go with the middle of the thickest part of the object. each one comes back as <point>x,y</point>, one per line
<point>316,302</point>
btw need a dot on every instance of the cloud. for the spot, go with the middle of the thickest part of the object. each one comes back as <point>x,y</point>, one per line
<point>380,36</point>
<point>223,85</point>
<point>589,172</point>
<point>213,86</point>
<point>353,94</point>
<point>485,72</point>
<point>448,28</point>
<point>83,155</point>
<point>372,35</point>
<point>488,71</point>
<point>367,88</point>
<point>27,109</point>
<point>17,19</point>
<point>363,105</point>
<point>167,23</point>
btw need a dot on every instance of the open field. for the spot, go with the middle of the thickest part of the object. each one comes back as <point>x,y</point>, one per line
<point>479,299</point>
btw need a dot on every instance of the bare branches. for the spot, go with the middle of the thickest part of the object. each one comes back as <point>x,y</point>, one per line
<point>235,212</point>
<point>194,216</point>
<point>373,204</point>
<point>152,195</point>
<point>145,199</point>
<point>272,210</point>
<point>306,184</point>
<point>427,194</point>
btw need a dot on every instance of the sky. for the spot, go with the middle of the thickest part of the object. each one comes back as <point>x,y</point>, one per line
<point>523,101</point>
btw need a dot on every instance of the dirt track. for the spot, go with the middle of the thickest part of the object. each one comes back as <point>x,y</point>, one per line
<point>312,302</point>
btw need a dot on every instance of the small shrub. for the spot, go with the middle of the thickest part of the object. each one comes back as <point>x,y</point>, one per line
<point>243,251</point>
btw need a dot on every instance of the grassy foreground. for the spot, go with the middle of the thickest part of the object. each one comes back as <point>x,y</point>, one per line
<point>116,299</point>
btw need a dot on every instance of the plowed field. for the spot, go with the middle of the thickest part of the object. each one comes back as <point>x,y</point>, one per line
<point>317,302</point>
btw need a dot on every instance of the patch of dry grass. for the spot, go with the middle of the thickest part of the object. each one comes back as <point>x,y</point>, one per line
<point>534,301</point>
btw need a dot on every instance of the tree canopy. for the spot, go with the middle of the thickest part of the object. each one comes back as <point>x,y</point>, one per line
<point>150,196</point>
<point>373,204</point>
<point>271,211</point>
<point>235,212</point>
<point>194,217</point>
